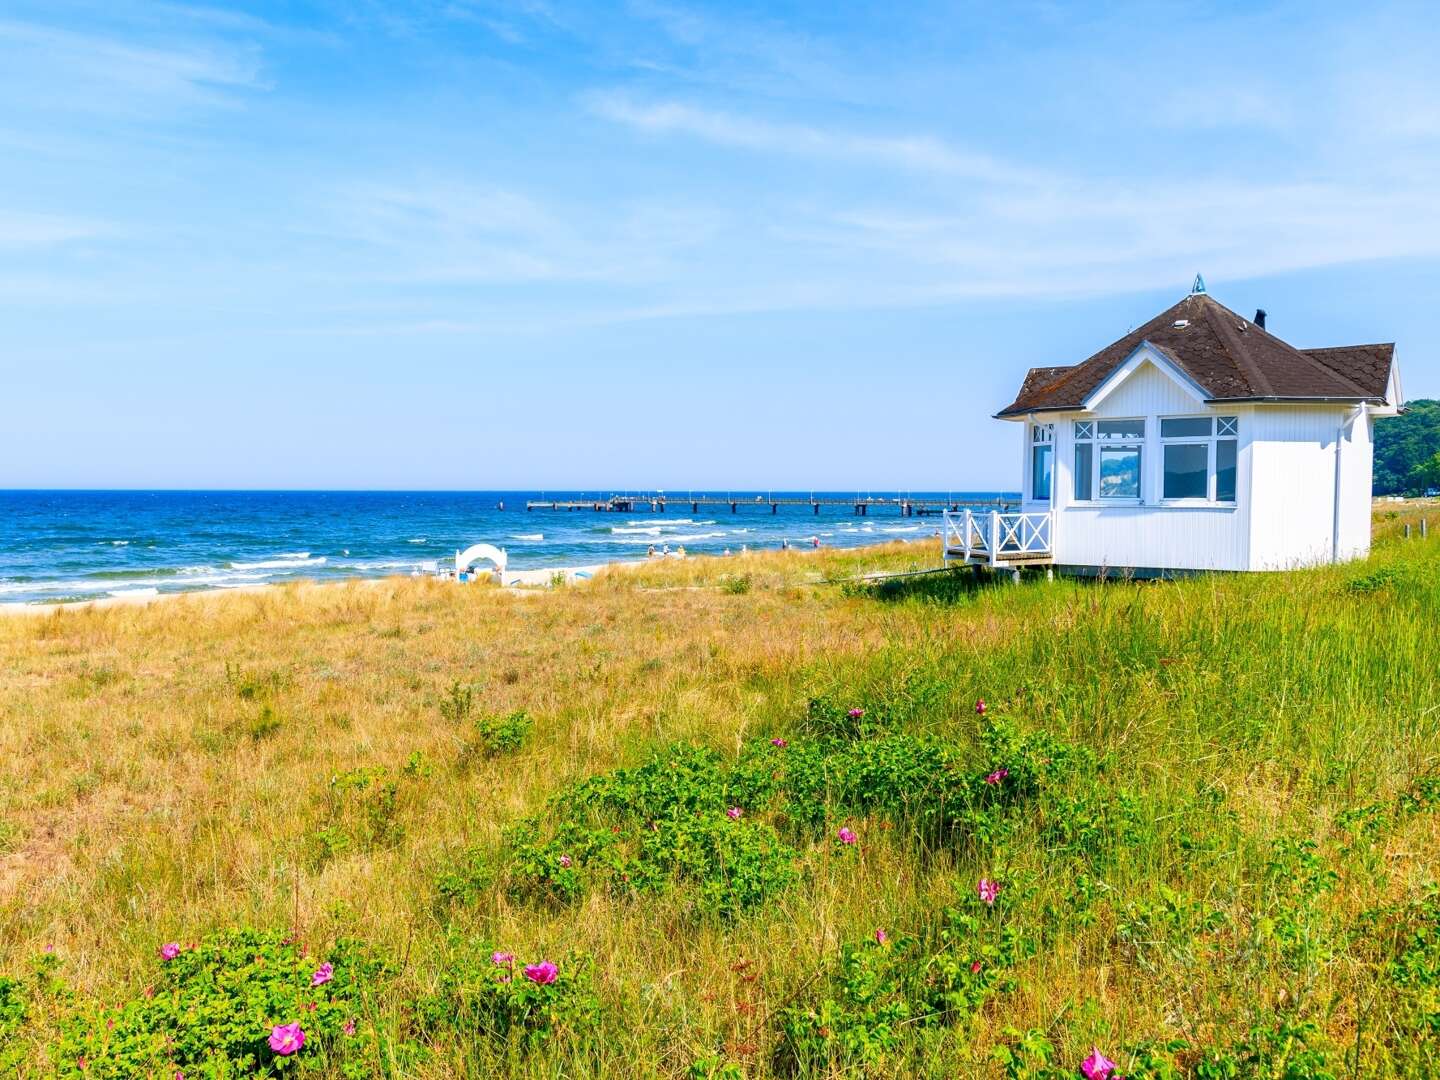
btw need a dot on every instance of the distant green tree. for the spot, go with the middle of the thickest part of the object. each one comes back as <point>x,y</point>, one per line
<point>1426,475</point>
<point>1406,449</point>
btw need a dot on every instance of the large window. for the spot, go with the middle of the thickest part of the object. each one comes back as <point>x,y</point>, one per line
<point>1042,460</point>
<point>1108,456</point>
<point>1199,456</point>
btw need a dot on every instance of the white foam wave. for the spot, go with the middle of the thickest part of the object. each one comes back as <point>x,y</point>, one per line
<point>134,592</point>
<point>671,538</point>
<point>418,540</point>
<point>119,543</point>
<point>528,536</point>
<point>278,564</point>
<point>900,528</point>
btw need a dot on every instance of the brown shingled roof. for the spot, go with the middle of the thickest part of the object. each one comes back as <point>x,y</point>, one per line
<point>1229,357</point>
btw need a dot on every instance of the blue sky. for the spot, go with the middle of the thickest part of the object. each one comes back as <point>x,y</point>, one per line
<point>471,244</point>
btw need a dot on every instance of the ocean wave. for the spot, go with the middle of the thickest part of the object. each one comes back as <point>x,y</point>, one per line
<point>134,592</point>
<point>672,538</point>
<point>290,563</point>
<point>527,536</point>
<point>900,528</point>
<point>418,540</point>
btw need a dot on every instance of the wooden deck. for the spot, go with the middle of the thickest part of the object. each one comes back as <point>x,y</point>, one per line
<point>999,539</point>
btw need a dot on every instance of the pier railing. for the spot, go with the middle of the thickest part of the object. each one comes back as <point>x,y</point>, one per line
<point>998,538</point>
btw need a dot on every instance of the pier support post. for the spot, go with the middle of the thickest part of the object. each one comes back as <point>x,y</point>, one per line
<point>734,508</point>
<point>694,508</point>
<point>1015,575</point>
<point>1407,530</point>
<point>1424,528</point>
<point>817,509</point>
<point>774,508</point>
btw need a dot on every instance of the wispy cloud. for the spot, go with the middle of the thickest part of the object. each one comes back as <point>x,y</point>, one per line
<point>46,68</point>
<point>919,153</point>
<point>35,232</point>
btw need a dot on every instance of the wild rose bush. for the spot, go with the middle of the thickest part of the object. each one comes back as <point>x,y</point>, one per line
<point>885,989</point>
<point>728,833</point>
<point>500,996</point>
<point>213,1008</point>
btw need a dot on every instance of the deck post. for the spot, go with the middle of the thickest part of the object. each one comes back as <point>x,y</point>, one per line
<point>1015,576</point>
<point>994,536</point>
<point>969,524</point>
<point>1424,528</point>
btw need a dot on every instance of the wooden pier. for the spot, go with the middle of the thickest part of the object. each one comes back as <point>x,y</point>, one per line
<point>658,504</point>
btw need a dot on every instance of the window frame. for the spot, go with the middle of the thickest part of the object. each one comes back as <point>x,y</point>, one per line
<point>1042,435</point>
<point>1099,443</point>
<point>1230,424</point>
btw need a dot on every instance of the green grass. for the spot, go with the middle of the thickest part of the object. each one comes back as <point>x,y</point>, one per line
<point>1217,843</point>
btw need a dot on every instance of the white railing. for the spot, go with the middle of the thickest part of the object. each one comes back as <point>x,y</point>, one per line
<point>997,537</point>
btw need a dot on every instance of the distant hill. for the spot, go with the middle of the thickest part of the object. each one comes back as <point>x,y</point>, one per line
<point>1407,450</point>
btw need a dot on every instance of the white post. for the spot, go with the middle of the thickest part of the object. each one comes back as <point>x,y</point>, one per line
<point>994,535</point>
<point>969,524</point>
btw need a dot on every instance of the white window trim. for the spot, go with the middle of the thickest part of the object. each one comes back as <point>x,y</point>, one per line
<point>1140,442</point>
<point>1041,433</point>
<point>1212,475</point>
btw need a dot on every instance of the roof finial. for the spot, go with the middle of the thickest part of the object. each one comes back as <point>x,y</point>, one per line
<point>1198,287</point>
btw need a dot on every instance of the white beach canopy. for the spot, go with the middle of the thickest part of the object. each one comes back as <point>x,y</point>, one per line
<point>473,554</point>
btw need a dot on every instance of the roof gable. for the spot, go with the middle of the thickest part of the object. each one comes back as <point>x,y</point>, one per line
<point>1145,354</point>
<point>1227,357</point>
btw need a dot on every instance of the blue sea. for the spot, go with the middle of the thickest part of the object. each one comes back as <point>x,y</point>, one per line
<point>83,545</point>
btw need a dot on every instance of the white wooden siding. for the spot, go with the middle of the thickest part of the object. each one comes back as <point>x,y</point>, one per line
<point>1292,520</point>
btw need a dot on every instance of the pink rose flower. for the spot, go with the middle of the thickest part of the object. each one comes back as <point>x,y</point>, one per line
<point>855,714</point>
<point>846,835</point>
<point>1097,1066</point>
<point>543,973</point>
<point>988,890</point>
<point>323,974</point>
<point>996,776</point>
<point>734,813</point>
<point>779,742</point>
<point>881,937</point>
<point>348,1027</point>
<point>565,862</point>
<point>286,1039</point>
<point>169,950</point>
<point>980,707</point>
<point>502,959</point>
<point>975,968</point>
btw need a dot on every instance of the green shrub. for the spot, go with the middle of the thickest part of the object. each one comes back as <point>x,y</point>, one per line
<point>481,990</point>
<point>880,988</point>
<point>213,1007</point>
<point>361,813</point>
<point>502,734</point>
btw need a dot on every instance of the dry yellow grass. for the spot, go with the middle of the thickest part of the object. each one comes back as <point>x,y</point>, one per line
<point>163,769</point>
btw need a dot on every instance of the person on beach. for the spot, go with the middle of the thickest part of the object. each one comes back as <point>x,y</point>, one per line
<point>814,541</point>
<point>666,551</point>
<point>650,553</point>
<point>785,544</point>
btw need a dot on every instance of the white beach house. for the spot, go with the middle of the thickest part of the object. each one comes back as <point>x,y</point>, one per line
<point>1198,441</point>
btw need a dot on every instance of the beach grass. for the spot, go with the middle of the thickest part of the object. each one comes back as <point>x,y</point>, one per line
<point>1218,847</point>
